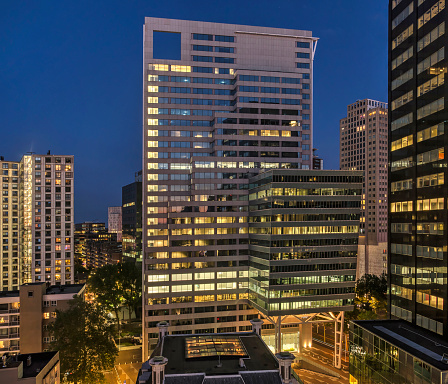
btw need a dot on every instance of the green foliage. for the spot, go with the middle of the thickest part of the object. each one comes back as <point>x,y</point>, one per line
<point>371,292</point>
<point>370,299</point>
<point>117,285</point>
<point>84,339</point>
<point>131,286</point>
<point>105,285</point>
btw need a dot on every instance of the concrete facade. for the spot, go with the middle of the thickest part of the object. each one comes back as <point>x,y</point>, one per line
<point>37,220</point>
<point>26,313</point>
<point>238,101</point>
<point>114,221</point>
<point>363,146</point>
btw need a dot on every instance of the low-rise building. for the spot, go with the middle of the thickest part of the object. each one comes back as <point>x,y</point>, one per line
<point>26,313</point>
<point>396,351</point>
<point>231,358</point>
<point>31,368</point>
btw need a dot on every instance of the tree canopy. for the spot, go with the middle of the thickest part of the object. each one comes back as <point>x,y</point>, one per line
<point>117,285</point>
<point>370,299</point>
<point>84,338</point>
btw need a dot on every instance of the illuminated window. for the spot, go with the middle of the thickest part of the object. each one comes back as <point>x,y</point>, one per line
<point>158,67</point>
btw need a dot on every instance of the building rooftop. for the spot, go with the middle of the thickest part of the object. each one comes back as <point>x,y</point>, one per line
<point>37,363</point>
<point>225,358</point>
<point>425,345</point>
<point>68,288</point>
<point>201,353</point>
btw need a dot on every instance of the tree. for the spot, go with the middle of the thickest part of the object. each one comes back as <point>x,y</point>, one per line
<point>371,292</point>
<point>130,278</point>
<point>84,338</point>
<point>370,299</point>
<point>105,284</point>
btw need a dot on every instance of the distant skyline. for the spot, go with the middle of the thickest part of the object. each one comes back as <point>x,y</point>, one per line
<point>71,77</point>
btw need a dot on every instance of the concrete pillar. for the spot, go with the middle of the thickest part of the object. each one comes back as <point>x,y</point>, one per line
<point>306,335</point>
<point>256,326</point>
<point>157,364</point>
<point>285,360</point>
<point>163,329</point>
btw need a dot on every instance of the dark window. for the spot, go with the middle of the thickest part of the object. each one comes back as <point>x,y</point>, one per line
<point>208,48</point>
<point>201,36</point>
<point>225,49</point>
<point>228,60</point>
<point>226,39</point>
<point>301,44</point>
<point>203,69</point>
<point>303,55</point>
<point>203,58</point>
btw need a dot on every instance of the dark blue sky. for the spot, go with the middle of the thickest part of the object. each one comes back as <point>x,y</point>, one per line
<point>71,82</point>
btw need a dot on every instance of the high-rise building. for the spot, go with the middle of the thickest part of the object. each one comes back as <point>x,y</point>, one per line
<point>37,220</point>
<point>131,198</point>
<point>318,163</point>
<point>415,346</point>
<point>363,146</point>
<point>114,221</point>
<point>238,101</point>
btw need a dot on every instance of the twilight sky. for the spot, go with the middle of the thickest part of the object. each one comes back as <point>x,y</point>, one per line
<point>71,81</point>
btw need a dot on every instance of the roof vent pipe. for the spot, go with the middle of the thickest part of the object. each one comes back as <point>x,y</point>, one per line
<point>256,326</point>
<point>158,364</point>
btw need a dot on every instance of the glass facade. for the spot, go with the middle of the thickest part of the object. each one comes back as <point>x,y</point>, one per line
<point>285,235</point>
<point>417,214</point>
<point>375,358</point>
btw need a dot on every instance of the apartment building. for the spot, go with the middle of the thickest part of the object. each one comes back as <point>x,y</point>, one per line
<point>363,146</point>
<point>37,220</point>
<point>238,100</point>
<point>26,313</point>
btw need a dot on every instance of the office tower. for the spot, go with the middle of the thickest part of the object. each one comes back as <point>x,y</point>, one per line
<point>131,198</point>
<point>417,238</point>
<point>363,146</point>
<point>303,231</point>
<point>238,101</point>
<point>114,221</point>
<point>37,220</point>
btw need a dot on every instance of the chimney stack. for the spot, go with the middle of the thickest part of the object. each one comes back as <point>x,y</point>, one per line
<point>256,326</point>
<point>285,360</point>
<point>163,329</point>
<point>157,364</point>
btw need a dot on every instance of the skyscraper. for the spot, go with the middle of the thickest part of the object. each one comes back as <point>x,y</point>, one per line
<point>37,220</point>
<point>363,146</point>
<point>237,101</point>
<point>114,221</point>
<point>413,349</point>
<point>131,201</point>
